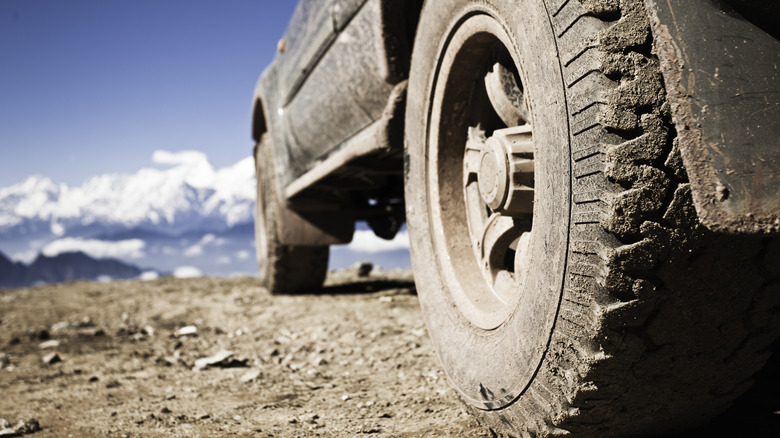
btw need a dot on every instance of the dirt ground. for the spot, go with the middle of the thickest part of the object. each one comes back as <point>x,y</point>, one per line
<point>221,357</point>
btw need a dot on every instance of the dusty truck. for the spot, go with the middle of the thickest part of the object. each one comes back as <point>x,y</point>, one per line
<point>591,190</point>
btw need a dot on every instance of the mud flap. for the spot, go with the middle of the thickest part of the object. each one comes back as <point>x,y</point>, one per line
<point>722,76</point>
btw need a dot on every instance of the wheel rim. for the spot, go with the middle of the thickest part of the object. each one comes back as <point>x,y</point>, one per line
<point>482,172</point>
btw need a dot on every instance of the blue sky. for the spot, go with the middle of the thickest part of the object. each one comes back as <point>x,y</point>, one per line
<point>89,87</point>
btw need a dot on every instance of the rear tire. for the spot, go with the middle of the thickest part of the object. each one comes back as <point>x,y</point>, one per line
<point>283,268</point>
<point>609,311</point>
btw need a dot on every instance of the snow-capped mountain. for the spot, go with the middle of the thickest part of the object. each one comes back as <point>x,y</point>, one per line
<point>187,216</point>
<point>191,195</point>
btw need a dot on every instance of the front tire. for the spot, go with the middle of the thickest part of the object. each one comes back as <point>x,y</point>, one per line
<point>601,307</point>
<point>283,268</point>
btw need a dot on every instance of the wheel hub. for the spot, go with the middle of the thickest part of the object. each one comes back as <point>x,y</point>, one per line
<point>505,173</point>
<point>484,173</point>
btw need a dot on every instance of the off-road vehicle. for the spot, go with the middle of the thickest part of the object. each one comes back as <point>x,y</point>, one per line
<point>591,189</point>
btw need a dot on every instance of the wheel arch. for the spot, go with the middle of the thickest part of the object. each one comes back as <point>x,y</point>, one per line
<point>259,125</point>
<point>398,25</point>
<point>259,120</point>
<point>293,228</point>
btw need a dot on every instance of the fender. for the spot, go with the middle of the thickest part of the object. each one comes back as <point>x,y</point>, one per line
<point>722,75</point>
<point>294,228</point>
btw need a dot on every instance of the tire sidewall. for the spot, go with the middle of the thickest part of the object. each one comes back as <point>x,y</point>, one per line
<point>491,368</point>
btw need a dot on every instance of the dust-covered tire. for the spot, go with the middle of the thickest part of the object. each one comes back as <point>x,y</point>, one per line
<point>629,318</point>
<point>283,268</point>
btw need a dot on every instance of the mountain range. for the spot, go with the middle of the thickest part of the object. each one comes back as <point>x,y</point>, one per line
<point>188,196</point>
<point>180,214</point>
<point>64,267</point>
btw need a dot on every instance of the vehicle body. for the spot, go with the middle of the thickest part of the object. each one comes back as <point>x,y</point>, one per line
<point>366,44</point>
<point>559,162</point>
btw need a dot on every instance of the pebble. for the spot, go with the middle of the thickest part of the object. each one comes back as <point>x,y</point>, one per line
<point>5,427</point>
<point>62,325</point>
<point>51,358</point>
<point>363,268</point>
<point>4,360</point>
<point>22,427</point>
<point>91,332</point>
<point>189,330</point>
<point>310,418</point>
<point>250,376</point>
<point>313,386</point>
<point>52,343</point>
<point>39,334</point>
<point>223,358</point>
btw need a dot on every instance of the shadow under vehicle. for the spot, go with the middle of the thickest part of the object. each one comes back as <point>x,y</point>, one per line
<point>591,189</point>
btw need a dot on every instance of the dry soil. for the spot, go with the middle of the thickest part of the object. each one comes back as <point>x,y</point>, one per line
<point>222,357</point>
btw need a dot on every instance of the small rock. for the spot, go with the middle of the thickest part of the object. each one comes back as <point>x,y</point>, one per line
<point>52,343</point>
<point>318,361</point>
<point>39,334</point>
<point>3,362</point>
<point>189,330</point>
<point>5,428</point>
<point>385,299</point>
<point>310,418</point>
<point>51,358</point>
<point>250,376</point>
<point>370,429</point>
<point>23,427</point>
<point>167,360</point>
<point>296,366</point>
<point>313,386</point>
<point>165,410</point>
<point>113,384</point>
<point>363,268</point>
<point>206,362</point>
<point>62,325</point>
<point>27,426</point>
<point>345,397</point>
<point>91,332</point>
<point>223,359</point>
<point>149,330</point>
